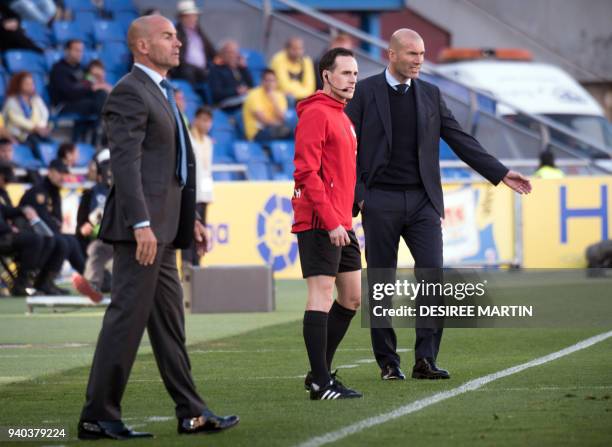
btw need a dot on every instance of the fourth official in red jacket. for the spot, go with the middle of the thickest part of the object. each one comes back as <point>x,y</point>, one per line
<point>325,174</point>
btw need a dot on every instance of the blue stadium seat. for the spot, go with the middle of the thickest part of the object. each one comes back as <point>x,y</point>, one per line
<point>80,5</point>
<point>219,157</point>
<point>119,5</point>
<point>224,176</point>
<point>48,152</point>
<point>455,173</point>
<point>115,56</point>
<point>282,150</point>
<point>41,86</point>
<point>2,87</point>
<point>446,153</point>
<point>37,32</point>
<point>281,176</point>
<point>108,31</point>
<point>223,142</point>
<point>289,168</point>
<point>125,18</point>
<point>64,31</point>
<point>184,86</point>
<point>24,60</point>
<point>52,55</point>
<point>249,151</point>
<point>256,62</point>
<point>113,76</point>
<point>258,170</point>
<point>86,153</point>
<point>85,20</point>
<point>221,120</point>
<point>24,157</point>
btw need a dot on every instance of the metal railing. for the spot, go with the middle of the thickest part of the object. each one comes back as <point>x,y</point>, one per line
<point>526,137</point>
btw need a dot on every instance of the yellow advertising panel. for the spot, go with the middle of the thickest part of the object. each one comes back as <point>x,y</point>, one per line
<point>250,223</point>
<point>561,218</point>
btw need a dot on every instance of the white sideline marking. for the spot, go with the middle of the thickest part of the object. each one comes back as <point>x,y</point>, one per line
<point>472,385</point>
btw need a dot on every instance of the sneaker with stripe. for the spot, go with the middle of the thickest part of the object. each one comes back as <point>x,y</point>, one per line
<point>334,390</point>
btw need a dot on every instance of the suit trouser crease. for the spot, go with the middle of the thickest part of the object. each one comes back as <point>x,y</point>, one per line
<point>140,296</point>
<point>387,216</point>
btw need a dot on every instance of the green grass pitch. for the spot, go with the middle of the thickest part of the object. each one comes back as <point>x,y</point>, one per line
<point>252,364</point>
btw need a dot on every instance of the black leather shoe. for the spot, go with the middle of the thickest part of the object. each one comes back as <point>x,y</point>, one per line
<point>108,430</point>
<point>432,362</point>
<point>207,422</point>
<point>424,370</point>
<point>392,372</point>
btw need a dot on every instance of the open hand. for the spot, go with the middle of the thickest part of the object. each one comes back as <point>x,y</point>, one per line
<point>517,182</point>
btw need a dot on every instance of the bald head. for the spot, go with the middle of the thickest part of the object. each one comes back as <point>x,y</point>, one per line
<point>153,42</point>
<point>406,54</point>
<point>143,28</point>
<point>403,37</point>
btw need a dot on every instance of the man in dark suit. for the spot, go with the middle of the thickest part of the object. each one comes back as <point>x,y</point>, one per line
<point>150,211</point>
<point>399,121</point>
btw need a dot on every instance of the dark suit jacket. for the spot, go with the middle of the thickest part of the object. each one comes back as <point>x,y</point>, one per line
<point>143,137</point>
<point>224,82</point>
<point>370,113</point>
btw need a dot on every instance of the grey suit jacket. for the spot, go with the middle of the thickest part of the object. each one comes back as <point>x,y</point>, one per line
<point>371,115</point>
<point>143,137</point>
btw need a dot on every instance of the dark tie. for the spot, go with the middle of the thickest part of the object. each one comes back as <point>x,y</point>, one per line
<point>181,153</point>
<point>401,88</point>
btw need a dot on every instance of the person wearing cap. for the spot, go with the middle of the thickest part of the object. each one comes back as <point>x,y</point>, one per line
<point>32,252</point>
<point>96,279</point>
<point>197,51</point>
<point>46,199</point>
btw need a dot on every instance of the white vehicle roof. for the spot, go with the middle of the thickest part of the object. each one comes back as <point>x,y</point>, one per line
<point>533,87</point>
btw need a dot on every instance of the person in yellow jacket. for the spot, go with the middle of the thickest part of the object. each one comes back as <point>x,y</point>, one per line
<point>547,168</point>
<point>294,70</point>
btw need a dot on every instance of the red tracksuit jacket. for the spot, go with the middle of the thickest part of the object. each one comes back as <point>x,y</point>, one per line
<point>325,171</point>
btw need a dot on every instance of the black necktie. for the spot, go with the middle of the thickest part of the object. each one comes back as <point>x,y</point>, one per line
<point>401,88</point>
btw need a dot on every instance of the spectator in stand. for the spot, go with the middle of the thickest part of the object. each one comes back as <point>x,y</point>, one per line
<point>6,152</point>
<point>294,70</point>
<point>96,279</point>
<point>203,149</point>
<point>32,251</point>
<point>6,157</point>
<point>46,199</point>
<point>230,78</point>
<point>547,168</point>
<point>264,111</point>
<point>341,40</point>
<point>71,92</point>
<point>12,35</point>
<point>25,113</point>
<point>197,51</point>
<point>68,153</point>
<point>96,75</point>
<point>41,11</point>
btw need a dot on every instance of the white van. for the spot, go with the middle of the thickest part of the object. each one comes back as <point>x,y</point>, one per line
<point>536,88</point>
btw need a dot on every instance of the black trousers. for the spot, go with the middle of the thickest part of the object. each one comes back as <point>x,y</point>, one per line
<point>388,216</point>
<point>71,249</point>
<point>148,297</point>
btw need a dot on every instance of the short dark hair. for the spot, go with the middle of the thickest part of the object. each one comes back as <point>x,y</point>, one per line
<point>69,43</point>
<point>204,110</point>
<point>266,71</point>
<point>64,149</point>
<point>328,60</point>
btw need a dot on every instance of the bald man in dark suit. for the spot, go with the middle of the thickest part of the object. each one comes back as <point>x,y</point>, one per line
<point>399,120</point>
<point>150,212</point>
